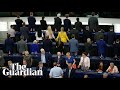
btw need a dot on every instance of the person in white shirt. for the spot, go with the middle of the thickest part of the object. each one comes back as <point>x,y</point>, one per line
<point>84,62</point>
<point>49,33</point>
<point>12,32</point>
<point>56,72</point>
<point>112,68</point>
<point>39,38</point>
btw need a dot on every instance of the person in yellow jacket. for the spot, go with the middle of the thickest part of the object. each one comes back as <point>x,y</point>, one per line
<point>62,34</point>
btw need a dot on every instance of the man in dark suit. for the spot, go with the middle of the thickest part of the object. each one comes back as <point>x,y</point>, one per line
<point>60,60</point>
<point>78,25</point>
<point>93,23</point>
<point>45,58</point>
<point>110,37</point>
<point>18,22</point>
<point>24,31</point>
<point>9,44</point>
<point>47,44</point>
<point>101,45</point>
<point>67,23</point>
<point>98,35</point>
<point>44,70</point>
<point>43,24</point>
<point>31,22</point>
<point>57,23</point>
<point>86,34</point>
<point>70,72</point>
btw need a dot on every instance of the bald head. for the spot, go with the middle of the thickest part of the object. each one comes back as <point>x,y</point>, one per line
<point>59,53</point>
<point>111,64</point>
<point>42,51</point>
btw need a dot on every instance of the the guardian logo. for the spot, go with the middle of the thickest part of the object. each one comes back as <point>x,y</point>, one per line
<point>21,70</point>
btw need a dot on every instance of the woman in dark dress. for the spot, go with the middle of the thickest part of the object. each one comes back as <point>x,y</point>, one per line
<point>60,46</point>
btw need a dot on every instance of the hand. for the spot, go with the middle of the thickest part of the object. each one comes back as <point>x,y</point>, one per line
<point>78,66</point>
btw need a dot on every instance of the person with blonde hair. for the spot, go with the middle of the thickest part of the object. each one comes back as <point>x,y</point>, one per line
<point>49,33</point>
<point>63,35</point>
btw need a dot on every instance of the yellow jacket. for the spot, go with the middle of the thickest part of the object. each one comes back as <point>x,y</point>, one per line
<point>63,36</point>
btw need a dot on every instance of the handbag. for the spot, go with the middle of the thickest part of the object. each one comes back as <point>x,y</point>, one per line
<point>74,66</point>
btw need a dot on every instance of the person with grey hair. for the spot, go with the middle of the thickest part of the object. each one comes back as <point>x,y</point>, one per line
<point>24,31</point>
<point>45,58</point>
<point>56,72</point>
<point>88,46</point>
<point>2,61</point>
<point>21,45</point>
<point>112,68</point>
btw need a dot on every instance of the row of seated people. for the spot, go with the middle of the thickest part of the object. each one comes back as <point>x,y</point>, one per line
<point>61,40</point>
<point>56,71</point>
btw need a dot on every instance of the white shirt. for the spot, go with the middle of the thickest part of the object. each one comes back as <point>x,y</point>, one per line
<point>43,58</point>
<point>38,38</point>
<point>11,32</point>
<point>86,62</point>
<point>56,72</point>
<point>114,70</point>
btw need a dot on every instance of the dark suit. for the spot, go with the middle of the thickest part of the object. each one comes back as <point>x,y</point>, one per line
<point>57,23</point>
<point>24,32</point>
<point>110,37</point>
<point>47,45</point>
<point>93,23</point>
<point>45,72</point>
<point>18,24</point>
<point>86,34</point>
<point>72,73</point>
<point>31,22</point>
<point>101,45</point>
<point>67,24</point>
<point>75,32</point>
<point>78,26</point>
<point>48,58</point>
<point>43,24</point>
<point>60,61</point>
<point>88,48</point>
<point>98,36</point>
<point>9,44</point>
<point>21,46</point>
